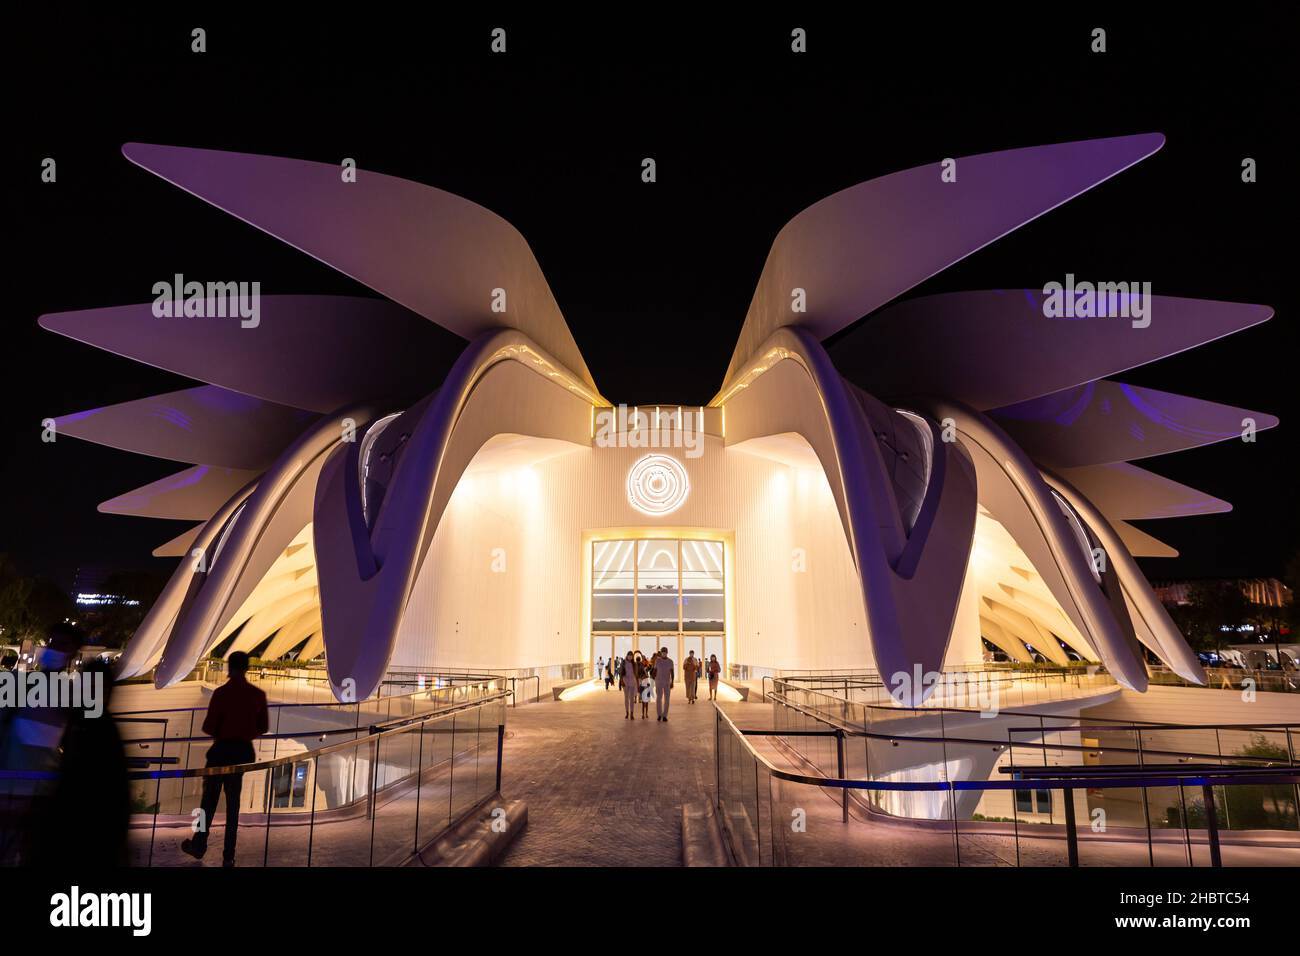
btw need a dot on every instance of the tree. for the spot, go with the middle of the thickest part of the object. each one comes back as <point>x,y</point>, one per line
<point>1214,605</point>
<point>29,606</point>
<point>113,624</point>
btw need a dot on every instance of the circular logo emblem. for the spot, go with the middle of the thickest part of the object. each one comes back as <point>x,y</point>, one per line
<point>657,485</point>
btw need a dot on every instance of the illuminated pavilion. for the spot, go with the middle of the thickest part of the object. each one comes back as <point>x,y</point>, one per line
<point>952,479</point>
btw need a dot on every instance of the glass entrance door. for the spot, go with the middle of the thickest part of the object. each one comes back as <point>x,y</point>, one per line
<point>622,644</point>
<point>648,593</point>
<point>602,649</point>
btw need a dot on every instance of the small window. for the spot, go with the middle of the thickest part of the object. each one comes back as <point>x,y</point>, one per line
<point>289,786</point>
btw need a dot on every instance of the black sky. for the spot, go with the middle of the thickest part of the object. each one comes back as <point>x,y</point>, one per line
<point>551,137</point>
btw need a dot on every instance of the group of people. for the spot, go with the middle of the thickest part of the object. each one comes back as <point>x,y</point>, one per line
<point>653,678</point>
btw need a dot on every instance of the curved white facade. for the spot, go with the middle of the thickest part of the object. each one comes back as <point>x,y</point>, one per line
<point>872,507</point>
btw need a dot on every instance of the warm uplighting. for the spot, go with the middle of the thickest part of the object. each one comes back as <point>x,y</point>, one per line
<point>578,691</point>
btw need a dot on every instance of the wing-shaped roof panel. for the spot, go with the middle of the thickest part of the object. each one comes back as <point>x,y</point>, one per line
<point>314,352</point>
<point>434,252</point>
<point>194,494</point>
<point>857,249</point>
<point>203,426</point>
<point>1124,491</point>
<point>1103,422</point>
<point>994,348</point>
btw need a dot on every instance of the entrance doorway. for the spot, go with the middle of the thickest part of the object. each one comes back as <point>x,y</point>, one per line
<point>648,593</point>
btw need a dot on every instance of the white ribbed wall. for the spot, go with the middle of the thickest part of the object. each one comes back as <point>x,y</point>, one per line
<point>462,613</point>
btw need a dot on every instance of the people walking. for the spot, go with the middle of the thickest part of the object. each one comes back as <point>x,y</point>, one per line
<point>713,670</point>
<point>664,679</point>
<point>609,674</point>
<point>691,669</point>
<point>647,685</point>
<point>628,683</point>
<point>236,715</point>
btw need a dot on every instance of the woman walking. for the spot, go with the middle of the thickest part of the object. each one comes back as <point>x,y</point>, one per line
<point>630,687</point>
<point>713,670</point>
<point>647,690</point>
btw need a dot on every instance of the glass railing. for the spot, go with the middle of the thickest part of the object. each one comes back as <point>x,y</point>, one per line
<point>806,790</point>
<point>977,687</point>
<point>293,729</point>
<point>373,799</point>
<point>526,684</point>
<point>1274,680</point>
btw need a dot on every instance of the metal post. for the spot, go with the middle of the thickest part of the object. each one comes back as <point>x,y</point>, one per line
<point>1187,833</point>
<point>952,808</point>
<point>1227,817</point>
<point>266,811</point>
<point>374,798</point>
<point>717,758</point>
<point>1071,828</point>
<point>157,805</point>
<point>501,743</point>
<point>1015,810</point>
<point>1146,802</point>
<point>419,780</point>
<point>844,791</point>
<point>189,742</point>
<point>1212,826</point>
<point>1290,749</point>
<point>311,822</point>
<point>451,771</point>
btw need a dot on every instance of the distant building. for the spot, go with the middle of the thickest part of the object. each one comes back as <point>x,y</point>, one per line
<point>88,587</point>
<point>89,578</point>
<point>1267,592</point>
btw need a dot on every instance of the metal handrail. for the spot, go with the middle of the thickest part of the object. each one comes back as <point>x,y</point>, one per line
<point>896,709</point>
<point>374,734</point>
<point>467,678</point>
<point>1288,775</point>
<point>937,709</point>
<point>527,677</point>
<point>850,731</point>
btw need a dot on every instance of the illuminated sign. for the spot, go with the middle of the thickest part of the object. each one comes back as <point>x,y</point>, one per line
<point>657,485</point>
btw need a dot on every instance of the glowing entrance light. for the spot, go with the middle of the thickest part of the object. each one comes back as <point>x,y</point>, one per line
<point>657,485</point>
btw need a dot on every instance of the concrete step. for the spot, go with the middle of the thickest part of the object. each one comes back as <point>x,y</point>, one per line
<point>701,839</point>
<point>478,840</point>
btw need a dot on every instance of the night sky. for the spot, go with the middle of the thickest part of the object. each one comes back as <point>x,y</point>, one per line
<point>551,136</point>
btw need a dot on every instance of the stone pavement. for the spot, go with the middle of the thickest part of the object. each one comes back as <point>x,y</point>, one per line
<point>605,791</point>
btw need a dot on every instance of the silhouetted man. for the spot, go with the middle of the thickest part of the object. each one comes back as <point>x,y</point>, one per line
<point>236,714</point>
<point>664,675</point>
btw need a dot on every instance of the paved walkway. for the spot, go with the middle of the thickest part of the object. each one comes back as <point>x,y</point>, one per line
<point>605,791</point>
